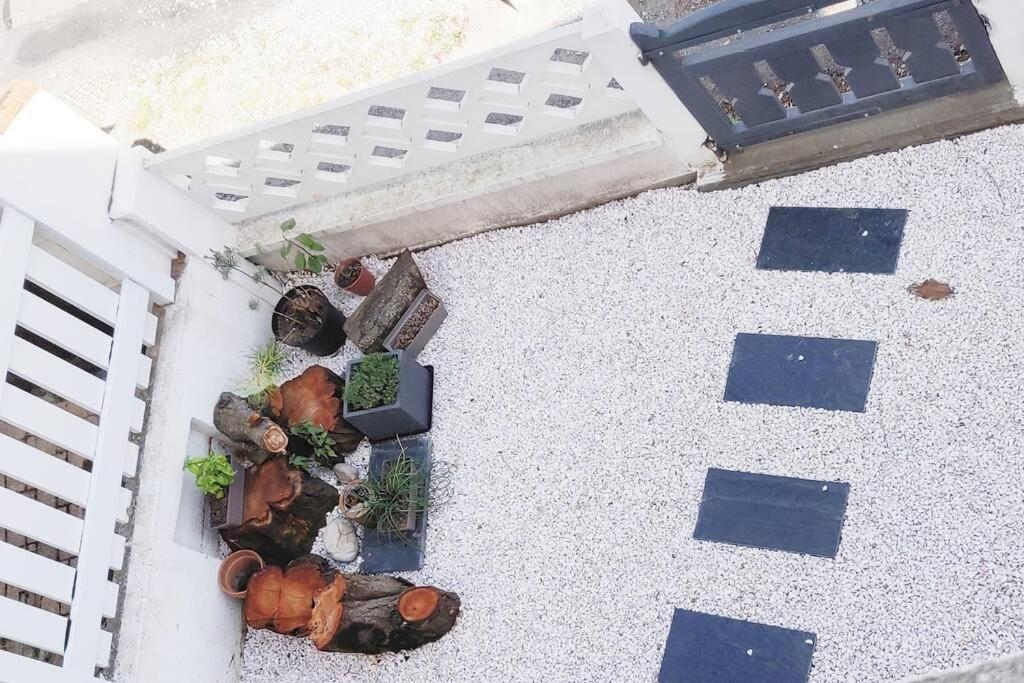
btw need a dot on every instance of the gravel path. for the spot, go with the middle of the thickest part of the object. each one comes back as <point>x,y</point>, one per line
<point>580,376</point>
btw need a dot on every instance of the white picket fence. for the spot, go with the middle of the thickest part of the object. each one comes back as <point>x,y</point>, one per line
<point>74,347</point>
<point>547,84</point>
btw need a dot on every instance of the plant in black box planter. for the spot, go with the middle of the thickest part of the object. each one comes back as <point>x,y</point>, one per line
<point>305,318</point>
<point>388,395</point>
<point>223,482</point>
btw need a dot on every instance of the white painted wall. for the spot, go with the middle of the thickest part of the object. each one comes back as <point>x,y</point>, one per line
<point>1005,20</point>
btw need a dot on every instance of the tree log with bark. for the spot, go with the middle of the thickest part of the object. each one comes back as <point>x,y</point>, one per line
<point>235,419</point>
<point>315,396</point>
<point>348,612</point>
<point>283,510</point>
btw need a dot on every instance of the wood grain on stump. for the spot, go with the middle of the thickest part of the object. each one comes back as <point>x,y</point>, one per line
<point>316,396</point>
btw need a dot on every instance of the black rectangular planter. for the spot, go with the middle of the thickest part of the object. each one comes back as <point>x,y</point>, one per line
<point>235,497</point>
<point>426,331</point>
<point>409,414</point>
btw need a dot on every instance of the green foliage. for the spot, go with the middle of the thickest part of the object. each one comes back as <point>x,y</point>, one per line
<point>213,473</point>
<point>302,251</point>
<point>374,382</point>
<point>317,437</point>
<point>264,369</point>
<point>224,261</point>
<point>398,491</point>
<point>300,461</point>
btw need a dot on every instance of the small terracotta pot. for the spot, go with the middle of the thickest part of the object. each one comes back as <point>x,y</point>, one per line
<point>350,502</point>
<point>236,570</point>
<point>362,285</point>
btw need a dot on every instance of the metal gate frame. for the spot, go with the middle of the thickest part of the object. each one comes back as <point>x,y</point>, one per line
<point>677,55</point>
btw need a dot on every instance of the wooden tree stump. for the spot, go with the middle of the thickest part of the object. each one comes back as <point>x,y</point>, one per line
<point>316,395</point>
<point>348,612</point>
<point>283,510</point>
<point>235,419</point>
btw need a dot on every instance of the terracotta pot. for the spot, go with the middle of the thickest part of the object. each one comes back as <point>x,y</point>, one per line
<point>236,570</point>
<point>350,502</point>
<point>362,285</point>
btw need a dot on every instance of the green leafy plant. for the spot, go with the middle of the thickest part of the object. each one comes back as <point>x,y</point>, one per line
<point>317,437</point>
<point>302,251</point>
<point>374,382</point>
<point>213,473</point>
<point>391,497</point>
<point>300,461</point>
<point>265,364</point>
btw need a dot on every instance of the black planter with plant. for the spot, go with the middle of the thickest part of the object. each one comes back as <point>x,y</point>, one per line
<point>305,318</point>
<point>223,482</point>
<point>388,395</point>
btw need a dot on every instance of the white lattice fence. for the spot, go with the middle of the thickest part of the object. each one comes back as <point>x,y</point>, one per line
<point>71,347</point>
<point>548,84</point>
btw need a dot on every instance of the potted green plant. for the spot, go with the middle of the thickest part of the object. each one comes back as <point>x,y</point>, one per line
<point>387,395</point>
<point>304,316</point>
<point>390,502</point>
<point>218,477</point>
<point>417,325</point>
<point>353,276</point>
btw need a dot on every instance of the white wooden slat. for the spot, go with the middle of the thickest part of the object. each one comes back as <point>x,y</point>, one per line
<point>116,559</point>
<point>28,517</point>
<point>87,643</point>
<point>131,459</point>
<point>64,330</point>
<point>57,277</point>
<point>36,574</point>
<point>145,369</point>
<point>47,421</point>
<point>138,415</point>
<point>17,669</point>
<point>124,504</point>
<point>15,245</point>
<point>149,337</point>
<point>56,375</point>
<point>32,626</point>
<point>43,471</point>
<point>110,601</point>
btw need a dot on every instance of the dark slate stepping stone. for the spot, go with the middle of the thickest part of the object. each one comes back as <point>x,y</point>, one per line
<point>805,372</point>
<point>779,513</point>
<point>705,648</point>
<point>832,240</point>
<point>390,552</point>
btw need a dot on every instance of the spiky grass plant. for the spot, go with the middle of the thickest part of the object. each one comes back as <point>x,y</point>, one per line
<point>395,494</point>
<point>265,363</point>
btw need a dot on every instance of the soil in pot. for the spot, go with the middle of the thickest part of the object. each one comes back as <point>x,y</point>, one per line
<point>415,322</point>
<point>218,510</point>
<point>352,276</point>
<point>305,318</point>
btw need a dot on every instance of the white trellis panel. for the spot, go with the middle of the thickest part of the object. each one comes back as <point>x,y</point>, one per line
<point>547,84</point>
<point>72,351</point>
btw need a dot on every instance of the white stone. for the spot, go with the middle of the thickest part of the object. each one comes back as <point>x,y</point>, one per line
<point>340,540</point>
<point>345,473</point>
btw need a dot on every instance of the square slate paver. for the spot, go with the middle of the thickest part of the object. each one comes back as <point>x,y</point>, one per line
<point>805,372</point>
<point>705,648</point>
<point>389,552</point>
<point>832,240</point>
<point>766,511</point>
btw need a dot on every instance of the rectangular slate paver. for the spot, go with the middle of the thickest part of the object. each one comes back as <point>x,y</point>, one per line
<point>806,372</point>
<point>832,240</point>
<point>390,552</point>
<point>766,511</point>
<point>705,648</point>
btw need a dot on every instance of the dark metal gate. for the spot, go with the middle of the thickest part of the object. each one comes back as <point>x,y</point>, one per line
<point>755,70</point>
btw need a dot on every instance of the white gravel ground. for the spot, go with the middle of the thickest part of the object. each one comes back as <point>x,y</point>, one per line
<point>579,404</point>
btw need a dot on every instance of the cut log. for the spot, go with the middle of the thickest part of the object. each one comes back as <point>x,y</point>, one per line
<point>235,419</point>
<point>382,308</point>
<point>350,612</point>
<point>316,396</point>
<point>282,599</point>
<point>283,511</point>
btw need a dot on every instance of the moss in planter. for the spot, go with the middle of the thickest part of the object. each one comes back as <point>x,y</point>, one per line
<point>374,382</point>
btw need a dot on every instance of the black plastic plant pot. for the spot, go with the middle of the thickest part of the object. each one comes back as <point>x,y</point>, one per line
<point>409,414</point>
<point>305,318</point>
